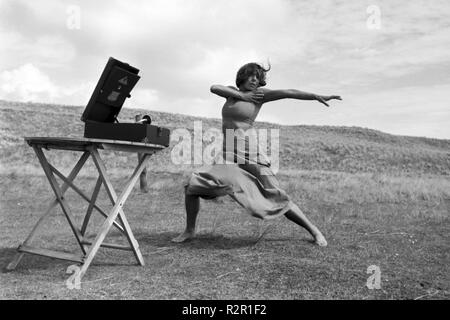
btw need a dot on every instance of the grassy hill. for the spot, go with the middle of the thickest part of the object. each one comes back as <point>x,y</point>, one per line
<point>379,199</point>
<point>321,148</point>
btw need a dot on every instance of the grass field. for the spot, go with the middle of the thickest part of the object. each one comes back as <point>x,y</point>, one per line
<point>379,199</point>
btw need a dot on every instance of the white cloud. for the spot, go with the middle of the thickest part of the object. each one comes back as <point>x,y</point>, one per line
<point>143,99</point>
<point>29,83</point>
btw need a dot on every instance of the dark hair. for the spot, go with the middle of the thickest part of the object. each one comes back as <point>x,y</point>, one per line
<point>250,69</point>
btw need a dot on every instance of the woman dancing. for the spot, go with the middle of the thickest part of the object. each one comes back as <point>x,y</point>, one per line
<point>250,182</point>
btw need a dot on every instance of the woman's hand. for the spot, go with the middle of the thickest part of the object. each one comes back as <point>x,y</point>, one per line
<point>255,96</point>
<point>252,96</point>
<point>323,99</point>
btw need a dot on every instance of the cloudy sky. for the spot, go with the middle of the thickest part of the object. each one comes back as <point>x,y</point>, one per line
<point>389,60</point>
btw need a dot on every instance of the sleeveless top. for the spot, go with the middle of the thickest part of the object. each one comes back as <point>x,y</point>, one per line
<point>244,147</point>
<point>237,114</point>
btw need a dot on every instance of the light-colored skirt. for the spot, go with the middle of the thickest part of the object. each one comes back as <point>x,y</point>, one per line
<point>253,185</point>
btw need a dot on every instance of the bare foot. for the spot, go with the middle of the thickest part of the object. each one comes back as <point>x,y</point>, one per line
<point>183,237</point>
<point>320,240</point>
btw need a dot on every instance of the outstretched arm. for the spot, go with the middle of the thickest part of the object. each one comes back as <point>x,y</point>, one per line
<point>232,92</point>
<point>272,95</point>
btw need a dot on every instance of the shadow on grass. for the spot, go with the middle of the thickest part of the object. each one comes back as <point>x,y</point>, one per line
<point>201,241</point>
<point>29,261</point>
<point>6,255</point>
<point>210,241</point>
<point>148,242</point>
<point>35,262</point>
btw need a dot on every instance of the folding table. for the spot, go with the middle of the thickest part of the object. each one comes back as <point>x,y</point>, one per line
<point>88,147</point>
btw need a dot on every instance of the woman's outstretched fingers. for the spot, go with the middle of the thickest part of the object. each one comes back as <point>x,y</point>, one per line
<point>322,100</point>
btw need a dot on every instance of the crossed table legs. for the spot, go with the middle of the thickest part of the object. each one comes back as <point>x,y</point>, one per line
<point>88,249</point>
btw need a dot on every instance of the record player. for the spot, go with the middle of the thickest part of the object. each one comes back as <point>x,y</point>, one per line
<point>100,116</point>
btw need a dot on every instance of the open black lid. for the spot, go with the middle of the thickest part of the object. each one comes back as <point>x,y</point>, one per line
<point>115,84</point>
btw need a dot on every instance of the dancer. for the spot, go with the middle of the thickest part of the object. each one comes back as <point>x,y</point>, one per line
<point>250,182</point>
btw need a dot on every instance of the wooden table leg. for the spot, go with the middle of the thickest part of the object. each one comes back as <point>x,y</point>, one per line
<point>91,206</point>
<point>91,201</point>
<point>56,189</point>
<point>117,210</point>
<point>113,197</point>
<point>73,174</point>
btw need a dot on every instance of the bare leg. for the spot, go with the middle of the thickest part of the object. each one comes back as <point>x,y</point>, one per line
<point>192,204</point>
<point>297,216</point>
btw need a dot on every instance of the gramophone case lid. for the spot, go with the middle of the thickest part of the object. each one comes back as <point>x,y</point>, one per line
<point>115,84</point>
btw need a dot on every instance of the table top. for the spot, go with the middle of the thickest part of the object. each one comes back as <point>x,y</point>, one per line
<point>64,143</point>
